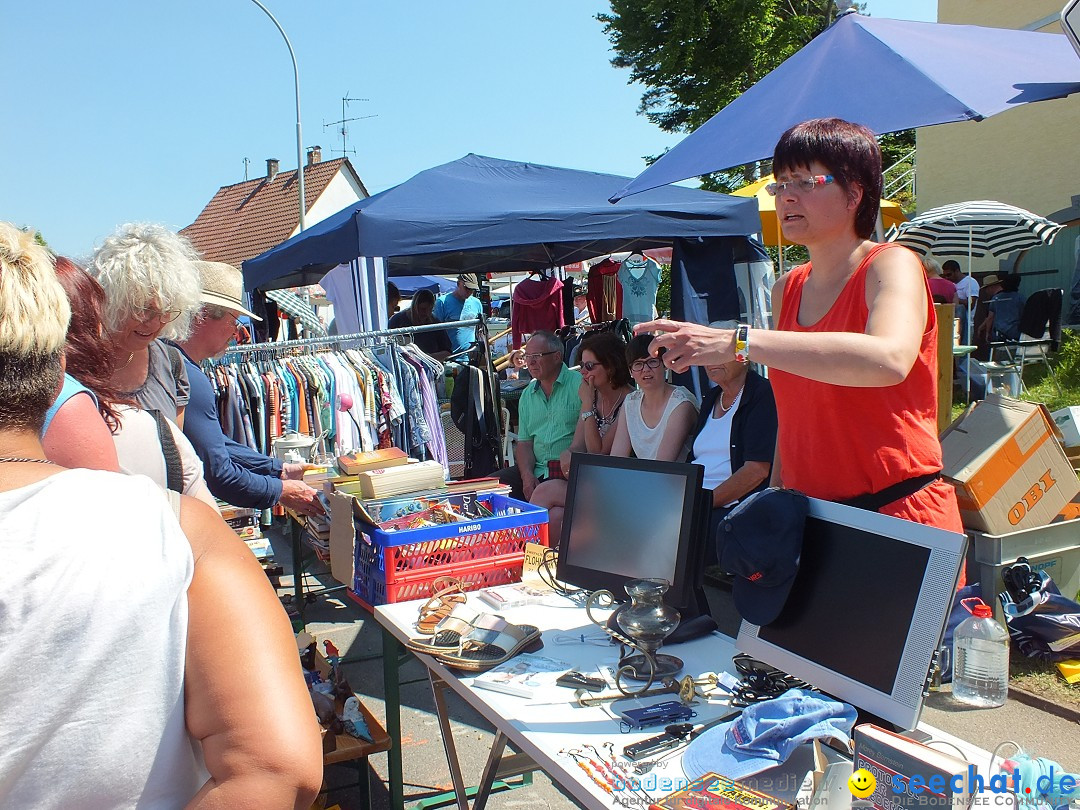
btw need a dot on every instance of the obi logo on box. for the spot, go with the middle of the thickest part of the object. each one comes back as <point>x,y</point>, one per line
<point>1031,497</point>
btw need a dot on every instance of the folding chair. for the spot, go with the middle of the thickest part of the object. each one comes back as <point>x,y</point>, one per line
<point>508,439</point>
<point>1040,330</point>
<point>455,443</point>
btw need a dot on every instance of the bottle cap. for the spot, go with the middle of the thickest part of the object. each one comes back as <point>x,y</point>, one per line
<point>980,610</point>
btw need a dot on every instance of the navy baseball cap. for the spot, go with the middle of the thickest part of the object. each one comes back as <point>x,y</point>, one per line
<point>766,734</point>
<point>760,542</point>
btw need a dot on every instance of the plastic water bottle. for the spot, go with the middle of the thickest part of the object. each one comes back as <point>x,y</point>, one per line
<point>980,658</point>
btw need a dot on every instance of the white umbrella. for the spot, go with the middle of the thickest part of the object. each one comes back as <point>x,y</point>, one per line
<point>974,228</point>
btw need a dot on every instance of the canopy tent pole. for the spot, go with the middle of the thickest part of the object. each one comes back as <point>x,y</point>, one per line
<point>969,325</point>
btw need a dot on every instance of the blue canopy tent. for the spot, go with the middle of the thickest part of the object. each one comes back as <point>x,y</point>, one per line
<point>888,75</point>
<point>481,214</point>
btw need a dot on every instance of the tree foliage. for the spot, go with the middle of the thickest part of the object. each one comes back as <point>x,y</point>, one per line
<point>695,57</point>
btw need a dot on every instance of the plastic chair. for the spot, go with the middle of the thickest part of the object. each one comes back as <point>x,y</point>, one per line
<point>1040,330</point>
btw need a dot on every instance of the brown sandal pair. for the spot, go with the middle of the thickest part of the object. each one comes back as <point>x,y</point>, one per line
<point>446,594</point>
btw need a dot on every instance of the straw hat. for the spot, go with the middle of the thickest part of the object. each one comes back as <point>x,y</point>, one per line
<point>223,284</point>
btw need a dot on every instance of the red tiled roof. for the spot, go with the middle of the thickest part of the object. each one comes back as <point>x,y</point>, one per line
<point>246,219</point>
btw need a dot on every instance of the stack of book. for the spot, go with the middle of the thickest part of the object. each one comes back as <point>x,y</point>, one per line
<point>245,522</point>
<point>386,481</point>
<point>355,463</point>
<point>317,534</point>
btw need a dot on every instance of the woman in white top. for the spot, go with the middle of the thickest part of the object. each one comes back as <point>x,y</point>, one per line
<point>137,681</point>
<point>657,418</point>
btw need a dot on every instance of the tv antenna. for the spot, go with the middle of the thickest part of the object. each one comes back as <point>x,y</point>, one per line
<point>246,164</point>
<point>343,130</point>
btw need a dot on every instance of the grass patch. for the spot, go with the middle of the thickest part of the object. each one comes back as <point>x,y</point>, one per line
<point>1042,679</point>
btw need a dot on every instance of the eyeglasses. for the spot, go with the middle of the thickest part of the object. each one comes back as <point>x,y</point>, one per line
<point>805,185</point>
<point>639,366</point>
<point>147,314</point>
<point>529,358</point>
<point>590,365</point>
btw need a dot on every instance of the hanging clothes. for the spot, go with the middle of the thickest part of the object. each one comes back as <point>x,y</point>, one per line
<point>640,278</point>
<point>536,305</point>
<point>605,292</point>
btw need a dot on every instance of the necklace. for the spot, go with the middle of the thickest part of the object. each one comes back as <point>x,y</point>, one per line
<point>127,362</point>
<point>723,409</point>
<point>612,413</point>
<point>25,460</point>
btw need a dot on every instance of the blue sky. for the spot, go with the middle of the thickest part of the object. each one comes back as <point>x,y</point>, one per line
<point>125,111</point>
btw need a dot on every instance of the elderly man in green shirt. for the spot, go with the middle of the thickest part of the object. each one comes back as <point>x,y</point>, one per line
<point>548,412</point>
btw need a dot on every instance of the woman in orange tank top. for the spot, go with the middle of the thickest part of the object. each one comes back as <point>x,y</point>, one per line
<point>852,359</point>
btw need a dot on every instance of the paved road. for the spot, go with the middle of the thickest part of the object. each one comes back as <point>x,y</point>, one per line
<point>357,635</point>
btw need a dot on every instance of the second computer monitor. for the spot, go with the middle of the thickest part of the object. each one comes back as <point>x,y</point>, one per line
<point>629,518</point>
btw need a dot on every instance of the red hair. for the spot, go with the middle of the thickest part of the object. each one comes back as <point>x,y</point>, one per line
<point>90,356</point>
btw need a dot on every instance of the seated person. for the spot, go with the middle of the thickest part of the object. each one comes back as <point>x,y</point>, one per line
<point>547,415</point>
<point>604,387</point>
<point>435,342</point>
<point>942,290</point>
<point>1002,320</point>
<point>735,437</point>
<point>658,417</point>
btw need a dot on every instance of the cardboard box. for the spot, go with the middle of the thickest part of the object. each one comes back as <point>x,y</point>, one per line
<point>1010,473</point>
<point>1068,422</point>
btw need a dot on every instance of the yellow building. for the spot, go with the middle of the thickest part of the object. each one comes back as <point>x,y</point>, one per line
<point>1025,157</point>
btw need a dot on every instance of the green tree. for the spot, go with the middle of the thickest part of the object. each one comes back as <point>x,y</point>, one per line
<point>697,56</point>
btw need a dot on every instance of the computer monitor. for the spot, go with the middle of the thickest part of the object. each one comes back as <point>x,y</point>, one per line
<point>629,518</point>
<point>867,610</point>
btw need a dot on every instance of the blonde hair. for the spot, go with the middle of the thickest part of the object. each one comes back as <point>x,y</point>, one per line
<point>143,264</point>
<point>933,267</point>
<point>34,310</point>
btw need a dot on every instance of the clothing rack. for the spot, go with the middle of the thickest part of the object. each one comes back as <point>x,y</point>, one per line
<point>330,340</point>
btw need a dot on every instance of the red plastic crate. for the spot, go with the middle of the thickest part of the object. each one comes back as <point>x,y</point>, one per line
<point>400,566</point>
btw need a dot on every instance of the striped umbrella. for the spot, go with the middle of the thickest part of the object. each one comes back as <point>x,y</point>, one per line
<point>295,305</point>
<point>975,228</point>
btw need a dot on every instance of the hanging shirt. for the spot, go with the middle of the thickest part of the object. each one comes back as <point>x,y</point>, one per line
<point>537,305</point>
<point>640,278</point>
<point>605,292</point>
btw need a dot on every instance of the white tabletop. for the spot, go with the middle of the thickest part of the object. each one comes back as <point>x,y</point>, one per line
<point>549,722</point>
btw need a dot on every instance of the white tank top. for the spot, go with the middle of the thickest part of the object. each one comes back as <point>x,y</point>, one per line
<point>93,628</point>
<point>644,439</point>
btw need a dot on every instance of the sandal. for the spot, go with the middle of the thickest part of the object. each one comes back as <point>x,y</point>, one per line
<point>446,592</point>
<point>448,632</point>
<point>492,641</point>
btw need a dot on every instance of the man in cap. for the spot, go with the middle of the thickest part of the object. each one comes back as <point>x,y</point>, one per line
<point>460,305</point>
<point>1004,308</point>
<point>234,472</point>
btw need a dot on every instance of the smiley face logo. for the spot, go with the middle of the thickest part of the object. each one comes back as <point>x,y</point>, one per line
<point>862,784</point>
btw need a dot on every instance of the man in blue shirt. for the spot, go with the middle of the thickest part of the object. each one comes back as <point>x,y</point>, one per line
<point>460,305</point>
<point>235,473</point>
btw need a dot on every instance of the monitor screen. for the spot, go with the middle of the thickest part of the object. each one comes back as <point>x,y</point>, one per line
<point>880,590</point>
<point>630,519</point>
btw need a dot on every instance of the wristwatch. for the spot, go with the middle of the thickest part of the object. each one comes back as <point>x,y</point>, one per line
<point>586,414</point>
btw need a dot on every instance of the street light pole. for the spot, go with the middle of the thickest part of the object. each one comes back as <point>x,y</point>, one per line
<point>299,137</point>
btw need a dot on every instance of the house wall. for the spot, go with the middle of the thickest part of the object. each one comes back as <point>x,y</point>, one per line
<point>340,192</point>
<point>1025,157</point>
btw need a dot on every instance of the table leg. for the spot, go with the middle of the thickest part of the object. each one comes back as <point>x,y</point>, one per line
<point>438,691</point>
<point>487,778</point>
<point>297,566</point>
<point>392,650</point>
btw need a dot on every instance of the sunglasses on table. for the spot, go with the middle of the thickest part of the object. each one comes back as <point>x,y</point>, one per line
<point>806,184</point>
